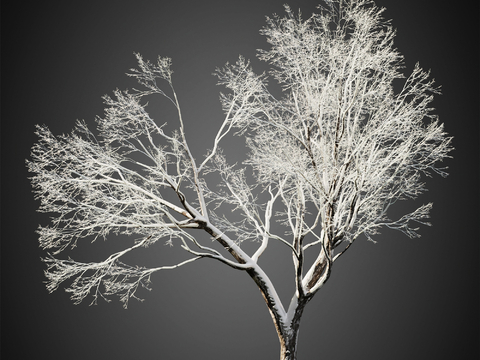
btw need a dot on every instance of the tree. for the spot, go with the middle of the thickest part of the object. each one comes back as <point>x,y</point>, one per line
<point>327,160</point>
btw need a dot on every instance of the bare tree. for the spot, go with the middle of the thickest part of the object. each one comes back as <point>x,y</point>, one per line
<point>328,159</point>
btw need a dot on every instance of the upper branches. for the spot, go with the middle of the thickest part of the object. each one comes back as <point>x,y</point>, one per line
<point>129,179</point>
<point>327,159</point>
<point>340,146</point>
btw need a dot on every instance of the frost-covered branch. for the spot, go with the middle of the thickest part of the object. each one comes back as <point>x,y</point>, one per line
<point>109,277</point>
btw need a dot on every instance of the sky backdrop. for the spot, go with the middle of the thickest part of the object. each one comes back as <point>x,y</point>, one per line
<point>400,298</point>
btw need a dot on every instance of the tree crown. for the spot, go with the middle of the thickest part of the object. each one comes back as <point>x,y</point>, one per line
<point>329,157</point>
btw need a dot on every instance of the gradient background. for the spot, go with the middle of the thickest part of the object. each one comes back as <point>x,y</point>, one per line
<point>397,299</point>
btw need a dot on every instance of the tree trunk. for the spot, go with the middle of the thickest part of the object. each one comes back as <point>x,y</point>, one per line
<point>288,336</point>
<point>288,345</point>
<point>287,326</point>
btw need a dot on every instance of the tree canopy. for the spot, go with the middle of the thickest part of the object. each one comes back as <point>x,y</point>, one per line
<point>327,159</point>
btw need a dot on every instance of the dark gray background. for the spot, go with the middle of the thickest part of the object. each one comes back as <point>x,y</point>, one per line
<point>397,299</point>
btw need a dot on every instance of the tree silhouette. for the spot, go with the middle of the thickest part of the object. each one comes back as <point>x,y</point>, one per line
<point>327,160</point>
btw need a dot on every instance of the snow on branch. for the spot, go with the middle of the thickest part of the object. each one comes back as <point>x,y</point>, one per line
<point>110,277</point>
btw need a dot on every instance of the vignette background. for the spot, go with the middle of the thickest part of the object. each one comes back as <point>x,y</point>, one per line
<point>397,299</point>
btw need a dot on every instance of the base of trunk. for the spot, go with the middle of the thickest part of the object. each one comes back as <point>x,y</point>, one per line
<point>288,349</point>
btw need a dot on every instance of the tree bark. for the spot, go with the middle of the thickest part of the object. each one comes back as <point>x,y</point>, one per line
<point>286,326</point>
<point>288,345</point>
<point>289,335</point>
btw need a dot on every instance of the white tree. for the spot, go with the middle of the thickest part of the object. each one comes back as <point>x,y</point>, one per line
<point>328,159</point>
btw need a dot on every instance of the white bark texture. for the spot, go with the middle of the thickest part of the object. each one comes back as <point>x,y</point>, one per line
<point>328,159</point>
